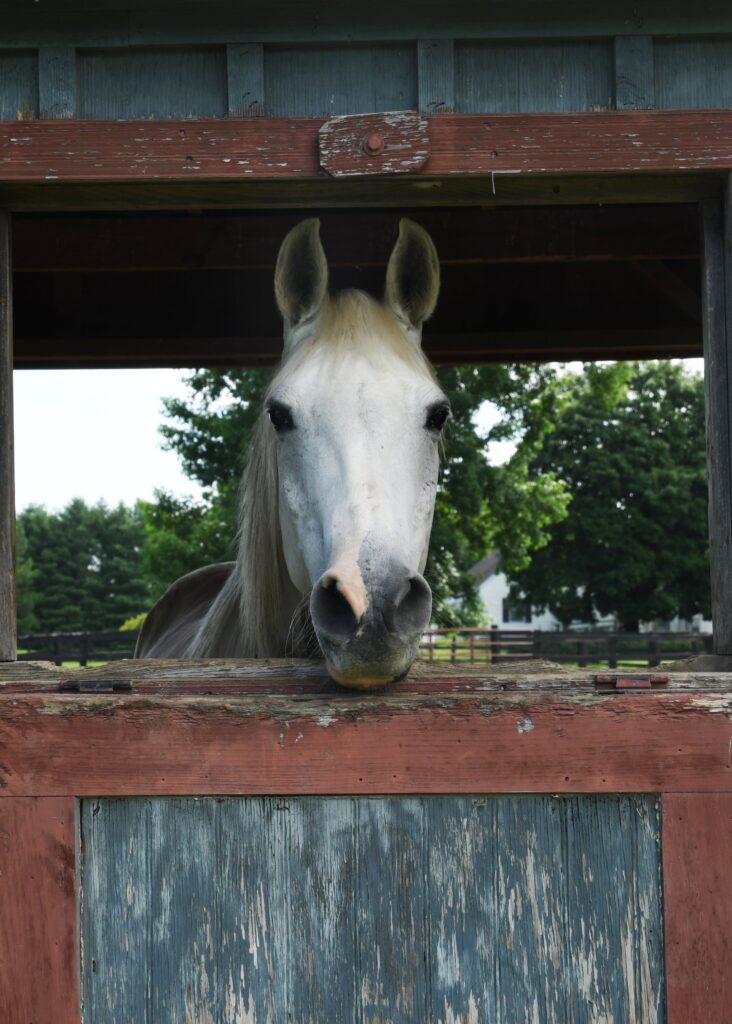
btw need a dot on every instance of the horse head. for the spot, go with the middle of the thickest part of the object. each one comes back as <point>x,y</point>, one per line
<point>356,417</point>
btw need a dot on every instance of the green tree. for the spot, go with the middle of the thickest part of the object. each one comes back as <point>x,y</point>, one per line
<point>87,572</point>
<point>629,447</point>
<point>25,576</point>
<point>479,506</point>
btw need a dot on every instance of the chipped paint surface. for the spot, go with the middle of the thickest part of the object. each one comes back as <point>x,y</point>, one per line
<point>443,910</point>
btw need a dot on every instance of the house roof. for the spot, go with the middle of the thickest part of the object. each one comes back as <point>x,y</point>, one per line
<point>485,567</point>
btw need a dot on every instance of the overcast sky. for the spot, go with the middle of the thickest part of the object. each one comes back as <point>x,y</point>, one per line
<point>94,434</point>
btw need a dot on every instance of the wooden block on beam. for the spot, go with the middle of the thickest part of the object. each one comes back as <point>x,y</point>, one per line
<point>245,78</point>
<point>436,76</point>
<point>57,81</point>
<point>634,79</point>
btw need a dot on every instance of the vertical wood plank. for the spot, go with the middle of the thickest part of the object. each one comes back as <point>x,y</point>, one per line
<point>7,473</point>
<point>38,930</point>
<point>391,935</point>
<point>245,79</point>
<point>717,329</point>
<point>533,979</point>
<point>613,907</point>
<point>115,951</point>
<point>253,911</point>
<point>697,884</point>
<point>436,76</point>
<point>461,843</point>
<point>693,72</point>
<point>57,81</point>
<point>634,76</point>
<point>321,911</point>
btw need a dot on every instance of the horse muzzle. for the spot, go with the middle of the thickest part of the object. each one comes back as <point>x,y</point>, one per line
<point>370,634</point>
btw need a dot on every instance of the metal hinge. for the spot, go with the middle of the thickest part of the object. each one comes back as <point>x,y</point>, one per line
<point>92,686</point>
<point>631,681</point>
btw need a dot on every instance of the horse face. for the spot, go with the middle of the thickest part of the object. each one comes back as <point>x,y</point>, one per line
<point>358,418</point>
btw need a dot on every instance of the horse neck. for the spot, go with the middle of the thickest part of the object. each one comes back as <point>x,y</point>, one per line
<point>273,615</point>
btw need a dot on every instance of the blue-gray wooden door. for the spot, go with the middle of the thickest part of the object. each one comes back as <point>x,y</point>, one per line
<point>457,910</point>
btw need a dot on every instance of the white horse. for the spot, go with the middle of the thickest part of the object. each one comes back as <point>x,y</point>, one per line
<point>339,491</point>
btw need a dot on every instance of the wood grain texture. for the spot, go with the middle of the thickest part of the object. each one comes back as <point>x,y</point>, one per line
<point>309,193</point>
<point>592,143</point>
<point>697,838</point>
<point>634,78</point>
<point>57,82</point>
<point>403,139</point>
<point>693,72</point>
<point>245,79</point>
<point>163,82</point>
<point>505,741</point>
<point>417,909</point>
<point>18,84</point>
<point>436,76</point>
<point>328,81</point>
<point>7,463</point>
<point>38,932</point>
<point>717,324</point>
<point>527,77</point>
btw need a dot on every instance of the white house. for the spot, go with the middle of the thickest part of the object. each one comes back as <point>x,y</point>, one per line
<point>501,611</point>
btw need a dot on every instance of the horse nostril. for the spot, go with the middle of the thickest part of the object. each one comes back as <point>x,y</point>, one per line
<point>413,608</point>
<point>331,611</point>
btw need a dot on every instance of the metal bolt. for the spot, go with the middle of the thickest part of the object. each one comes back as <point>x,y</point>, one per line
<point>374,144</point>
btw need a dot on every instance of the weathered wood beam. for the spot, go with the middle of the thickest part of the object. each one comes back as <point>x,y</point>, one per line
<point>7,478</point>
<point>717,322</point>
<point>287,148</point>
<point>124,744</point>
<point>393,193</point>
<point>236,240</point>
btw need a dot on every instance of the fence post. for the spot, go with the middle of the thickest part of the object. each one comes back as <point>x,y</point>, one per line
<point>453,649</point>
<point>495,657</point>
<point>536,649</point>
<point>581,654</point>
<point>84,650</point>
<point>57,653</point>
<point>471,647</point>
<point>654,657</point>
<point>612,652</point>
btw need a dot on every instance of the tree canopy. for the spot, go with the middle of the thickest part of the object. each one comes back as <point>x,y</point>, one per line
<point>629,447</point>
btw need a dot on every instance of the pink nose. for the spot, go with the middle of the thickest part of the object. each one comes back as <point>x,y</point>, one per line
<point>401,604</point>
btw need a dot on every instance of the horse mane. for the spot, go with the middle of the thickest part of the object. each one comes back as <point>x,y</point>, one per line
<point>258,612</point>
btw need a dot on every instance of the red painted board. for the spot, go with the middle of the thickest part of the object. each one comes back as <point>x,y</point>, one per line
<point>442,743</point>
<point>697,882</point>
<point>38,931</point>
<point>248,148</point>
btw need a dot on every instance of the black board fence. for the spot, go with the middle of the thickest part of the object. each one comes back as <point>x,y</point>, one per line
<point>81,648</point>
<point>584,649</point>
<point>472,646</point>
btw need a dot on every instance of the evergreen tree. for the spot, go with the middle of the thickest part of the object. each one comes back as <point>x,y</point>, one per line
<point>629,447</point>
<point>86,566</point>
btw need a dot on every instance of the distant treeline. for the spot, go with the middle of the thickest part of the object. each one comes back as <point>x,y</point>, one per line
<point>80,569</point>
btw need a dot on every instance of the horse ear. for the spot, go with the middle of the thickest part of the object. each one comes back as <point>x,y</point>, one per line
<point>301,274</point>
<point>413,274</point>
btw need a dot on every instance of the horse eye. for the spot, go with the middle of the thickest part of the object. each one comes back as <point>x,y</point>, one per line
<point>437,416</point>
<point>280,417</point>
